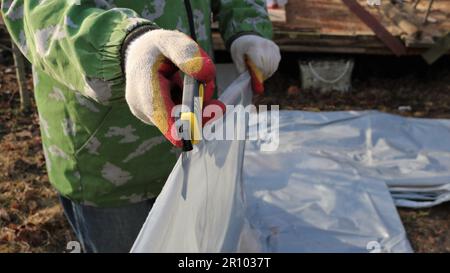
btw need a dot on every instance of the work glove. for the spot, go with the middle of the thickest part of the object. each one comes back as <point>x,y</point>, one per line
<point>259,56</point>
<point>153,63</point>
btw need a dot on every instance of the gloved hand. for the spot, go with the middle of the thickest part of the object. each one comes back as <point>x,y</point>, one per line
<point>153,82</point>
<point>259,56</point>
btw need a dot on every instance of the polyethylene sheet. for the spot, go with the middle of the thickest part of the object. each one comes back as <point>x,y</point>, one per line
<point>411,156</point>
<point>320,191</point>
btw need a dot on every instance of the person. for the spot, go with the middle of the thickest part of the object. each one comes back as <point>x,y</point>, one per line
<point>105,73</point>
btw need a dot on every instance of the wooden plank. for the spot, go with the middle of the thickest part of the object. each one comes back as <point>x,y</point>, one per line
<point>406,22</point>
<point>313,43</point>
<point>438,50</point>
<point>380,31</point>
<point>278,14</point>
<point>328,26</point>
<point>440,15</point>
<point>331,17</point>
<point>411,21</point>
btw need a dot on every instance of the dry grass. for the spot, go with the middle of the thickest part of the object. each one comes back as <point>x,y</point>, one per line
<point>31,219</point>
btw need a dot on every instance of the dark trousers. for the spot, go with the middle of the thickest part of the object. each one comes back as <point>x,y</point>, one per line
<point>110,230</point>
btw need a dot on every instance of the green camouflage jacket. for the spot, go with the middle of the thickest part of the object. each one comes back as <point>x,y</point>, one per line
<point>97,152</point>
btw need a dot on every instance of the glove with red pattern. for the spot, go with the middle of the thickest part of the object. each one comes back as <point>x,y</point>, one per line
<point>259,56</point>
<point>153,82</point>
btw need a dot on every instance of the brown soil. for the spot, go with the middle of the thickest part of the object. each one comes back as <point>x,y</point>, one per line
<point>31,219</point>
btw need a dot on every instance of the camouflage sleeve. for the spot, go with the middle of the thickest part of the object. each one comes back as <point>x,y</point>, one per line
<point>238,17</point>
<point>76,42</point>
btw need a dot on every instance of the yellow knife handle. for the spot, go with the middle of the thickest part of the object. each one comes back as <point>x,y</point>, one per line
<point>191,113</point>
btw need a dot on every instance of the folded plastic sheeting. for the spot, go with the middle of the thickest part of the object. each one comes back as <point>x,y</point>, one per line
<point>411,156</point>
<point>229,196</point>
